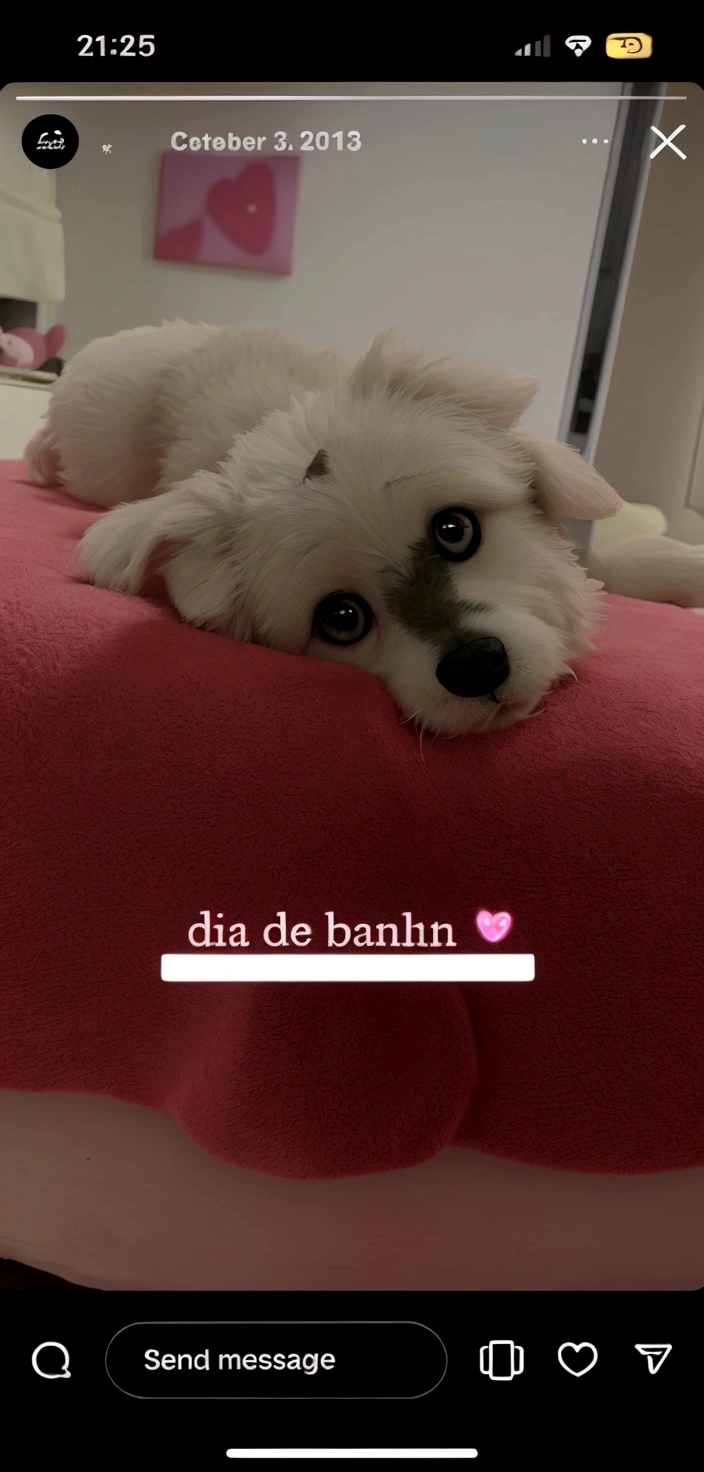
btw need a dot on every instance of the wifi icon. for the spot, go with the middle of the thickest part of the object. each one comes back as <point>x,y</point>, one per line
<point>578,44</point>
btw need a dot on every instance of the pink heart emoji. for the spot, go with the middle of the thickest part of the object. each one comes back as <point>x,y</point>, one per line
<point>494,927</point>
<point>245,208</point>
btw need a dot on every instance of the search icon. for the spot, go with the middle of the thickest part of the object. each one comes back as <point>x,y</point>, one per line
<point>64,1373</point>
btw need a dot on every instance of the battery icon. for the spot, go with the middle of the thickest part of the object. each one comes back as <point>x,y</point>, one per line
<point>629,46</point>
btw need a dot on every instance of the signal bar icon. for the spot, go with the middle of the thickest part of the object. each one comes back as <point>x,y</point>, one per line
<point>535,48</point>
<point>656,1355</point>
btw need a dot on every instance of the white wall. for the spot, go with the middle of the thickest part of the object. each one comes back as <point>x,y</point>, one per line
<point>469,224</point>
<point>19,177</point>
<point>31,244</point>
<point>651,444</point>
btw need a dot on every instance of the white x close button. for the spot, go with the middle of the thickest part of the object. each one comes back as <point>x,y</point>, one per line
<point>667,142</point>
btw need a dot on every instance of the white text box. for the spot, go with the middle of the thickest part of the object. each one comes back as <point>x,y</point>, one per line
<point>191,966</point>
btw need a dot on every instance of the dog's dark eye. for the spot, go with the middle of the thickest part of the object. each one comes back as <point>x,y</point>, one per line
<point>342,618</point>
<point>456,534</point>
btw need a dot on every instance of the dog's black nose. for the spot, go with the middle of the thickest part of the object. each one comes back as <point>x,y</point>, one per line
<point>476,668</point>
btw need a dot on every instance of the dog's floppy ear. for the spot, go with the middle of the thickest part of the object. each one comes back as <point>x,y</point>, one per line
<point>185,536</point>
<point>498,398</point>
<point>565,485</point>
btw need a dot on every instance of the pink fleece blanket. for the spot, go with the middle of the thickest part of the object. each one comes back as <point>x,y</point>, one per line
<point>151,771</point>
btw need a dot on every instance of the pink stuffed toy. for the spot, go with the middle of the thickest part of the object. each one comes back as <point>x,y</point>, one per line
<point>27,348</point>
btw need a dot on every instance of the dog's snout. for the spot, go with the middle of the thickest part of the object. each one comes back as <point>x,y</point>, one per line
<point>475,668</point>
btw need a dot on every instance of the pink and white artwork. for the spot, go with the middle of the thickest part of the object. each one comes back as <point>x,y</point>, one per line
<point>223,211</point>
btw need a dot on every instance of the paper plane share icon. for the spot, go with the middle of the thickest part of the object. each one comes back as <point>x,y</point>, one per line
<point>656,1355</point>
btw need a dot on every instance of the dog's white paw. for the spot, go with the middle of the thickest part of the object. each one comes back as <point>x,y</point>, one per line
<point>42,459</point>
<point>112,551</point>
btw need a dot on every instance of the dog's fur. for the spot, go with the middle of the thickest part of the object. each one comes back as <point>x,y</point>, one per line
<point>261,476</point>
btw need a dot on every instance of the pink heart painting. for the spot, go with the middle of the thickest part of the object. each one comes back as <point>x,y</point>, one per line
<point>225,211</point>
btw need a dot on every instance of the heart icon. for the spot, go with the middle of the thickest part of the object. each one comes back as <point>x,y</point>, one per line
<point>583,1357</point>
<point>494,927</point>
<point>245,208</point>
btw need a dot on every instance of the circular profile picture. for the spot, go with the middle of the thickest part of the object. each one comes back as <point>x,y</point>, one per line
<point>50,141</point>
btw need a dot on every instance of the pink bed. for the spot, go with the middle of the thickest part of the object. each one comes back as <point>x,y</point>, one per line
<point>547,1135</point>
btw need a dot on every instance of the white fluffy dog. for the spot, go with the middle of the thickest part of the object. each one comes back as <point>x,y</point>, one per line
<point>387,514</point>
